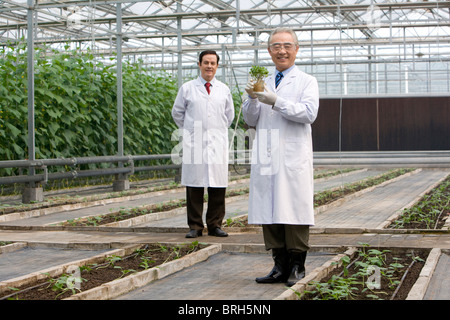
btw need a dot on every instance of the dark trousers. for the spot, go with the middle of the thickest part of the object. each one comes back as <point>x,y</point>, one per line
<point>214,213</point>
<point>295,238</point>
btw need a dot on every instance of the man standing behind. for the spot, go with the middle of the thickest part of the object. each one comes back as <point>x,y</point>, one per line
<point>204,110</point>
<point>281,185</point>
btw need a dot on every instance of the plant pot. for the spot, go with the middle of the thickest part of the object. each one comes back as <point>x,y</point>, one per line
<point>259,86</point>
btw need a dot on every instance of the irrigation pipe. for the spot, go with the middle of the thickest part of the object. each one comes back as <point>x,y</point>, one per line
<point>402,279</point>
<point>15,293</point>
<point>348,267</point>
<point>439,216</point>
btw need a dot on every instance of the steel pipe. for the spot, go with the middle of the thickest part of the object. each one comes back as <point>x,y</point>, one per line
<point>424,159</point>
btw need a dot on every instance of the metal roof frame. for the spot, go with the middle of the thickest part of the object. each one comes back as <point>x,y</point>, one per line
<point>168,34</point>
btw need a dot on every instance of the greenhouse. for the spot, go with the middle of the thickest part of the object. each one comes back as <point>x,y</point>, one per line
<point>89,145</point>
<point>355,49</point>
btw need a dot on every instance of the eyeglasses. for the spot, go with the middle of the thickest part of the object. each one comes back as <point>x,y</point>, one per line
<point>278,45</point>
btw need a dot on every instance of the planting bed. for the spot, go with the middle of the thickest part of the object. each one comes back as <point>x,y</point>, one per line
<point>430,212</point>
<point>128,213</point>
<point>91,276</point>
<point>136,212</point>
<point>328,196</point>
<point>370,274</point>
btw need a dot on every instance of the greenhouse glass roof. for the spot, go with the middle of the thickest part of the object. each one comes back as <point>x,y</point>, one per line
<point>366,43</point>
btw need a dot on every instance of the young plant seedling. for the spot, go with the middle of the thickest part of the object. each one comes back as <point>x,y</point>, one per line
<point>258,74</point>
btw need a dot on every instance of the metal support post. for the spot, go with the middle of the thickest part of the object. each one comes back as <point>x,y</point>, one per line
<point>121,182</point>
<point>33,190</point>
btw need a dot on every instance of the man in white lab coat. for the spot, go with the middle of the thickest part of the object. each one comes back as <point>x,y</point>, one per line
<point>281,187</point>
<point>204,110</point>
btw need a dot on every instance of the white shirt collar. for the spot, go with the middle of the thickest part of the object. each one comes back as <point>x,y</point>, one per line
<point>285,72</point>
<point>203,81</point>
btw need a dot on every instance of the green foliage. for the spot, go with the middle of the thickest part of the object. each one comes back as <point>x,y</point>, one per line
<point>76,109</point>
<point>428,211</point>
<point>64,283</point>
<point>345,285</point>
<point>258,72</point>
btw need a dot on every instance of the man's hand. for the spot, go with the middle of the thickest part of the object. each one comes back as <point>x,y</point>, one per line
<point>249,89</point>
<point>267,97</point>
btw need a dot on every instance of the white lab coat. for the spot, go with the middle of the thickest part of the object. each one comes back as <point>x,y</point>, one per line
<point>204,120</point>
<point>281,182</point>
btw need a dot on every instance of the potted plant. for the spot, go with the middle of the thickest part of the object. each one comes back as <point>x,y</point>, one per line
<point>258,74</point>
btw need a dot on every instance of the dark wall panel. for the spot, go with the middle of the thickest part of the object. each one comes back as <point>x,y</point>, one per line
<point>326,127</point>
<point>359,125</point>
<point>414,123</point>
<point>384,124</point>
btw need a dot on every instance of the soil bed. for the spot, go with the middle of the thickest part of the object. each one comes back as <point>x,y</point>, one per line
<point>136,212</point>
<point>430,212</point>
<point>394,284</point>
<point>148,256</point>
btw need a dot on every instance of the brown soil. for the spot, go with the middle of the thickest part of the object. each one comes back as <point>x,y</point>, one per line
<point>428,209</point>
<point>259,86</point>
<point>423,225</point>
<point>128,214</point>
<point>387,291</point>
<point>99,274</point>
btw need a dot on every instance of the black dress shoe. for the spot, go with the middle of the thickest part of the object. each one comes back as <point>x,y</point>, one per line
<point>194,233</point>
<point>218,233</point>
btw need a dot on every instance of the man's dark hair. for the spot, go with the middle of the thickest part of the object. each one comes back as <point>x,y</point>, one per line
<point>200,58</point>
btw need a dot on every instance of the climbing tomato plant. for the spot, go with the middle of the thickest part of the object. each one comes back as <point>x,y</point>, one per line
<point>75,105</point>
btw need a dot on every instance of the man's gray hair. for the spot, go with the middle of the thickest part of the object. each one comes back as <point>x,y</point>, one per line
<point>280,30</point>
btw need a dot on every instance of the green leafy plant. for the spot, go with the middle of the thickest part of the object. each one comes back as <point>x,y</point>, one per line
<point>75,105</point>
<point>428,211</point>
<point>65,283</point>
<point>110,261</point>
<point>355,276</point>
<point>146,262</point>
<point>258,74</point>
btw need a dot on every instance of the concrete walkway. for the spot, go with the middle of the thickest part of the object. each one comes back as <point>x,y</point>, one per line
<point>226,274</point>
<point>152,198</point>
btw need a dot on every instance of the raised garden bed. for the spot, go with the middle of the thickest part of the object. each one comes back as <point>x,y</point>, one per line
<point>161,207</point>
<point>430,212</point>
<point>134,193</point>
<point>137,212</point>
<point>328,196</point>
<point>89,276</point>
<point>369,274</point>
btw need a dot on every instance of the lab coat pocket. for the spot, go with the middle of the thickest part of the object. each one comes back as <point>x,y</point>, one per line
<point>295,154</point>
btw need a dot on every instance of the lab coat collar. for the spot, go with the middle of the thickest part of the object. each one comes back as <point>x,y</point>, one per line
<point>288,74</point>
<point>201,82</point>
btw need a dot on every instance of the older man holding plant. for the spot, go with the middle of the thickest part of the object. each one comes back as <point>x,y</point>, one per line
<point>281,183</point>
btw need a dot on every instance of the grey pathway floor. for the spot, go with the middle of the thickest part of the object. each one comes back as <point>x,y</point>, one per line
<point>175,194</point>
<point>367,211</point>
<point>147,199</point>
<point>439,287</point>
<point>361,212</point>
<point>221,277</point>
<point>373,208</point>
<point>29,259</point>
<point>237,206</point>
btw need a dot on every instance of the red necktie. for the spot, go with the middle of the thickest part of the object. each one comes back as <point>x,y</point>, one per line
<point>207,87</point>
